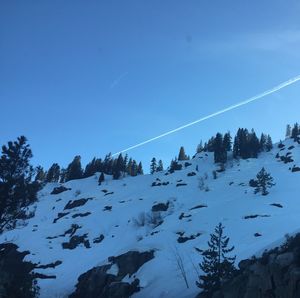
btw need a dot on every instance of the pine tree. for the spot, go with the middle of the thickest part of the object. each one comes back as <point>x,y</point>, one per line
<point>129,167</point>
<point>199,147</point>
<point>227,141</point>
<point>220,153</point>
<point>253,145</point>
<point>53,173</point>
<point>16,187</point>
<point>295,132</point>
<point>262,142</point>
<point>264,181</point>
<point>134,168</point>
<point>62,178</point>
<point>288,131</point>
<point>269,143</point>
<point>140,169</point>
<point>216,265</point>
<point>40,174</point>
<point>210,145</point>
<point>101,178</point>
<point>160,166</point>
<point>182,155</point>
<point>74,170</point>
<point>117,167</point>
<point>124,167</point>
<point>153,166</point>
<point>90,168</point>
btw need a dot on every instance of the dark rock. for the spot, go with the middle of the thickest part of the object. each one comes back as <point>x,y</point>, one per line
<point>75,241</point>
<point>130,262</point>
<point>109,193</point>
<point>181,184</point>
<point>160,207</point>
<point>295,169</point>
<point>59,189</point>
<point>98,283</point>
<point>76,203</point>
<point>187,164</point>
<point>198,207</point>
<point>107,208</point>
<point>51,265</point>
<point>191,174</point>
<point>183,239</point>
<point>276,274</point>
<point>255,216</point>
<point>257,235</point>
<point>276,205</point>
<point>60,215</point>
<point>81,214</point>
<point>99,239</point>
<point>182,215</point>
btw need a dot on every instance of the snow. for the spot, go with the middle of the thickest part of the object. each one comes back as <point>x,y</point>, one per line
<point>225,202</point>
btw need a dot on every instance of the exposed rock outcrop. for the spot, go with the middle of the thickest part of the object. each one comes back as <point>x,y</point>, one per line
<point>276,274</point>
<point>98,282</point>
<point>59,189</point>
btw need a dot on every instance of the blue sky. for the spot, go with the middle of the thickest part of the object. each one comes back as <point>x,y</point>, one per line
<point>92,77</point>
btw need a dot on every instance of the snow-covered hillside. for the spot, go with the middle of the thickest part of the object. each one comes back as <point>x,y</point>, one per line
<point>194,202</point>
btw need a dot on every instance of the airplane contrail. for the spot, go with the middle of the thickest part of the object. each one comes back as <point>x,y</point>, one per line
<point>242,103</point>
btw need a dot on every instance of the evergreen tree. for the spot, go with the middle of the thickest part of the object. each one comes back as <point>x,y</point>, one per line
<point>53,173</point>
<point>74,169</point>
<point>295,132</point>
<point>210,145</point>
<point>124,167</point>
<point>269,143</point>
<point>263,182</point>
<point>129,167</point>
<point>262,142</point>
<point>182,155</point>
<point>117,167</point>
<point>216,265</point>
<point>153,166</point>
<point>220,153</point>
<point>140,169</point>
<point>160,166</point>
<point>199,147</point>
<point>227,141</point>
<point>62,178</point>
<point>253,145</point>
<point>90,168</point>
<point>16,187</point>
<point>134,168</point>
<point>236,148</point>
<point>101,178</point>
<point>40,174</point>
<point>288,131</point>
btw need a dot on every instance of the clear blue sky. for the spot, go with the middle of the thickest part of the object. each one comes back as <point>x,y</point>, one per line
<point>90,77</point>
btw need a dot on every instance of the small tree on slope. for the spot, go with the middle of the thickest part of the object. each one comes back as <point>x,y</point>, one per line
<point>216,265</point>
<point>264,181</point>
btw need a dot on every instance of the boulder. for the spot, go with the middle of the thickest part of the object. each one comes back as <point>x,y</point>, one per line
<point>59,189</point>
<point>97,282</point>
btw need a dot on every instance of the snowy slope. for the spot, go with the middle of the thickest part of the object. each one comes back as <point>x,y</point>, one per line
<point>229,200</point>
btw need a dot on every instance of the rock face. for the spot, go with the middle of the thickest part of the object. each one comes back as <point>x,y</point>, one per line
<point>59,189</point>
<point>276,274</point>
<point>16,279</point>
<point>97,282</point>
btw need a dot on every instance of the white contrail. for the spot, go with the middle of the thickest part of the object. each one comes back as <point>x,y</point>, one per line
<point>251,99</point>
